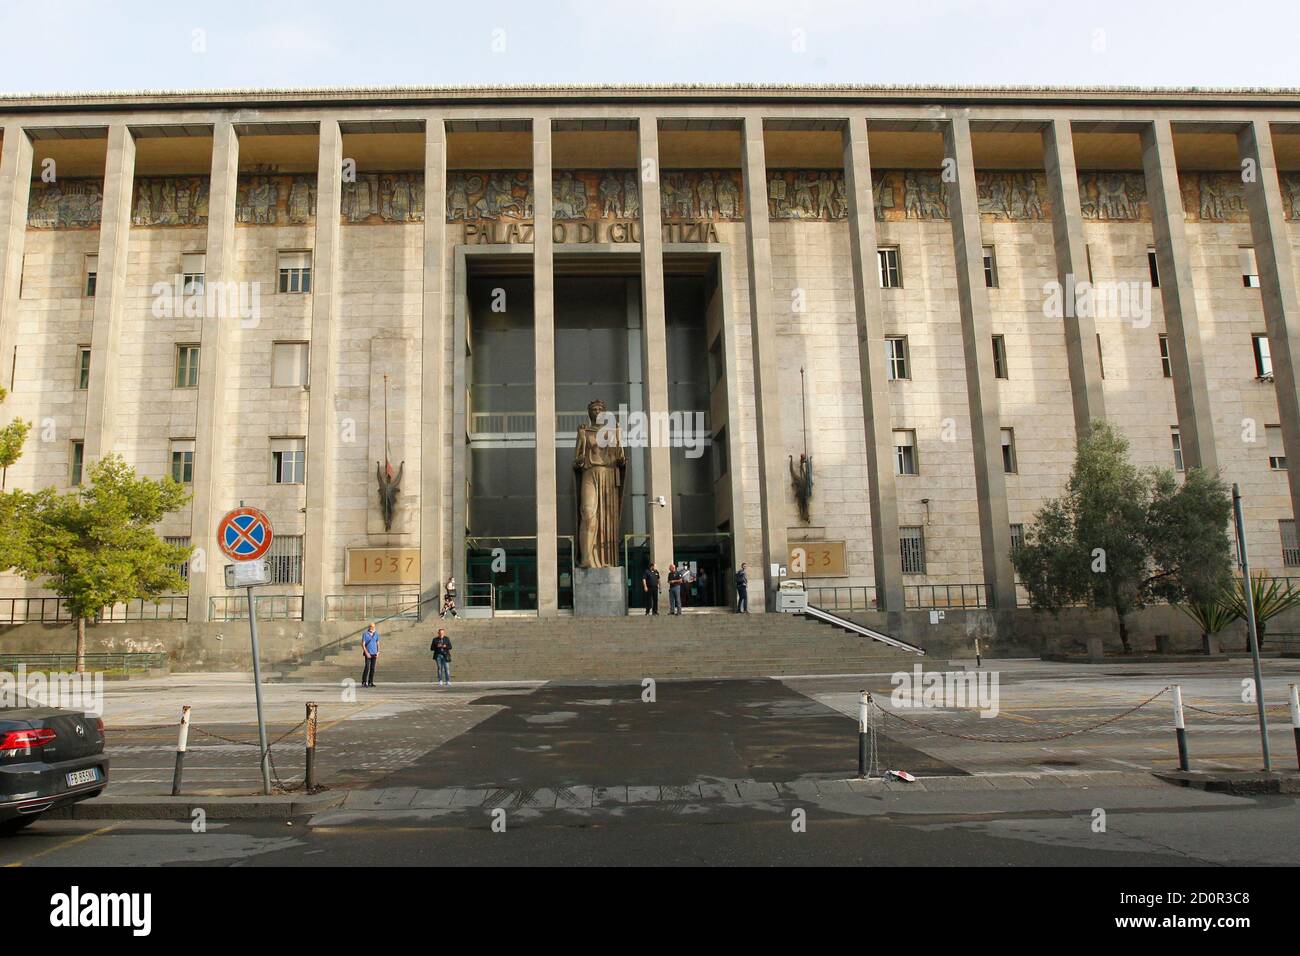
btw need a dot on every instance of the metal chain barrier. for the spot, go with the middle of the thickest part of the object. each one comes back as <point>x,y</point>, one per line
<point>1019,740</point>
<point>1244,713</point>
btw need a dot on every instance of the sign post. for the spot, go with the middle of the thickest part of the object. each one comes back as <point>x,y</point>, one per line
<point>244,535</point>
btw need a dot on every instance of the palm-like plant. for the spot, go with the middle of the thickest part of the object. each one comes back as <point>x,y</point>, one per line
<point>1270,597</point>
<point>1210,614</point>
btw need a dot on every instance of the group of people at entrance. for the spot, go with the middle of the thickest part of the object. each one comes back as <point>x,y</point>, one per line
<point>680,576</point>
<point>440,648</point>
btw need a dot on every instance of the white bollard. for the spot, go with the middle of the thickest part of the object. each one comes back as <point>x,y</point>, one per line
<point>182,741</point>
<point>864,731</point>
<point>1180,728</point>
<point>1295,720</point>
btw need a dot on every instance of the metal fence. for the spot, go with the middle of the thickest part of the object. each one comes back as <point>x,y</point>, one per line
<point>270,607</point>
<point>54,610</point>
<point>136,661</point>
<point>358,607</point>
<point>945,596</point>
<point>843,597</point>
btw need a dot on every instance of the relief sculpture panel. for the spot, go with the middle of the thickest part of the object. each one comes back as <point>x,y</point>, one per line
<point>170,201</point>
<point>374,198</point>
<point>495,194</point>
<point>1290,183</point>
<point>66,204</point>
<point>265,199</point>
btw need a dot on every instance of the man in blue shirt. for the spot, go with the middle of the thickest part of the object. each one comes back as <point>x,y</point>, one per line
<point>370,652</point>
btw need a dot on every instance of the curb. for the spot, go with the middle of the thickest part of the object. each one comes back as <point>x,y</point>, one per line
<point>1237,784</point>
<point>281,807</point>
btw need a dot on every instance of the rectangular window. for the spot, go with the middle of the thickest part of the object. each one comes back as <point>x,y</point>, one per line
<point>890,277</point>
<point>990,268</point>
<point>83,367</point>
<point>288,461</point>
<point>295,272</point>
<point>78,460</point>
<point>183,541</point>
<point>1152,267</point>
<point>905,452</point>
<point>1276,450</point>
<point>284,559</point>
<point>719,454</point>
<point>1101,361</point>
<point>1009,450</point>
<point>187,366</point>
<point>1000,357</point>
<point>1290,549</point>
<point>1176,439</point>
<point>92,272</point>
<point>1263,358</point>
<point>1017,537</point>
<point>183,460</point>
<point>289,364</point>
<point>1249,270</point>
<point>896,356</point>
<point>911,541</point>
<point>192,269</point>
<point>1166,367</point>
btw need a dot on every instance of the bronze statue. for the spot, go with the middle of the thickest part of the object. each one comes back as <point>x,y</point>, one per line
<point>599,463</point>
<point>802,478</point>
<point>388,489</point>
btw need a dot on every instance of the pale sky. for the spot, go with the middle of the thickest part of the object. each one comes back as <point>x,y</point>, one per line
<point>71,45</point>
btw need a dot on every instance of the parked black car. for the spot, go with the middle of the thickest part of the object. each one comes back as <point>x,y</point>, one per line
<point>48,757</point>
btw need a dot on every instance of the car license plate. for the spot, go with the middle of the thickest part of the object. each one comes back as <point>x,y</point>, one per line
<point>79,777</point>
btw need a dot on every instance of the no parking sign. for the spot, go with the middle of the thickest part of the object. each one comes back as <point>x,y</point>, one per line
<point>244,534</point>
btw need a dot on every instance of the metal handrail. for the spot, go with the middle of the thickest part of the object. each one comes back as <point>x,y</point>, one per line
<point>270,607</point>
<point>968,596</point>
<point>54,610</point>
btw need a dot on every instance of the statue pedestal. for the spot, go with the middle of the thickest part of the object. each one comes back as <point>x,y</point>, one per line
<point>599,592</point>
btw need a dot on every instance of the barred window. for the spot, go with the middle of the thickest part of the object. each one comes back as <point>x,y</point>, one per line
<point>182,541</point>
<point>284,560</point>
<point>1290,549</point>
<point>911,540</point>
<point>1017,537</point>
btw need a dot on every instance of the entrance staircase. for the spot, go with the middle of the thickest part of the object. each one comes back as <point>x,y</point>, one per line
<point>693,645</point>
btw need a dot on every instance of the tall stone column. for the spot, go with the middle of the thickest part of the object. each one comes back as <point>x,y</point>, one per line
<point>15,188</point>
<point>1182,325</point>
<point>548,596</point>
<point>1277,285</point>
<point>322,423</point>
<point>221,310</point>
<point>433,364</point>
<point>881,488</point>
<point>773,471</point>
<point>1071,269</point>
<point>981,384</point>
<point>654,356</point>
<point>110,293</point>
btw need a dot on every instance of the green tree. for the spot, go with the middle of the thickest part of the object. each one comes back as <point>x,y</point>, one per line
<point>1121,537</point>
<point>12,437</point>
<point>96,546</point>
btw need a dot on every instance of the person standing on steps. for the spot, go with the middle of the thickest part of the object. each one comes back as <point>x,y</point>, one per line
<point>742,590</point>
<point>674,590</point>
<point>650,585</point>
<point>370,654</point>
<point>441,648</point>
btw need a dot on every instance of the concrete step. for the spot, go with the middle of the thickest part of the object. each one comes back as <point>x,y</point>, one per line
<point>701,645</point>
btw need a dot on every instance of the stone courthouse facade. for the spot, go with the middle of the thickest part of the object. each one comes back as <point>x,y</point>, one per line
<point>303,300</point>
